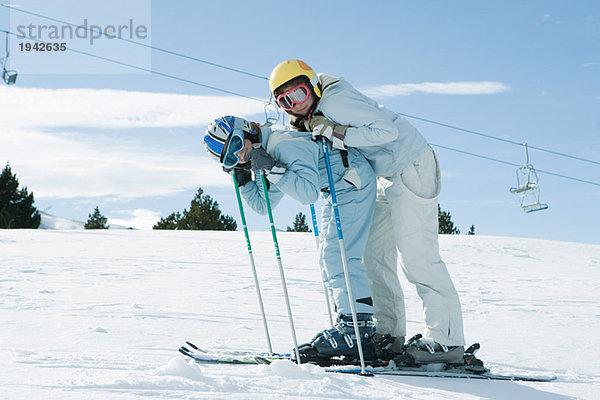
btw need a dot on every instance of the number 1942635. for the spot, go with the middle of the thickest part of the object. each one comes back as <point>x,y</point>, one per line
<point>37,46</point>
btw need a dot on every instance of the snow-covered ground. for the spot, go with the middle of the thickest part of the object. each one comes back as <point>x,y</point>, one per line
<point>100,315</point>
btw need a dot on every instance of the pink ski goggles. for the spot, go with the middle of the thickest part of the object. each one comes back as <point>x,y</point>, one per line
<point>296,95</point>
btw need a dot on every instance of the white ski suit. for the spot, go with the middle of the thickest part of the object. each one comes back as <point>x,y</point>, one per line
<point>305,177</point>
<point>406,214</point>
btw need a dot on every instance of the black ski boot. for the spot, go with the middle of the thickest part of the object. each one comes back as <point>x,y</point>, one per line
<point>340,341</point>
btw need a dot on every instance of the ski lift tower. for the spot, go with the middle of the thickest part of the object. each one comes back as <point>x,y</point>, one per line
<point>527,186</point>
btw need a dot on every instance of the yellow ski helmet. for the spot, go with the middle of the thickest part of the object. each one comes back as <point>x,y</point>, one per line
<point>290,69</point>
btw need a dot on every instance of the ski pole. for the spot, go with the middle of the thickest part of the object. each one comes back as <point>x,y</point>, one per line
<point>281,273</point>
<point>260,301</point>
<point>316,230</point>
<point>338,224</point>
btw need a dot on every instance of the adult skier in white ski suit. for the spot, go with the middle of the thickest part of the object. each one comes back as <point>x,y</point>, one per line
<point>295,165</point>
<point>406,213</point>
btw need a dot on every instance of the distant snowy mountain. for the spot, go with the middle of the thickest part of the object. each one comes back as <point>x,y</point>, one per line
<point>50,221</point>
<point>53,222</point>
<point>100,315</point>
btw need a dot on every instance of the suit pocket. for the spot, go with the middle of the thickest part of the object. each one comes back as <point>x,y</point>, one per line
<point>422,178</point>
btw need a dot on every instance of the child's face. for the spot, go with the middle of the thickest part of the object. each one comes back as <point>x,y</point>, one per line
<point>242,153</point>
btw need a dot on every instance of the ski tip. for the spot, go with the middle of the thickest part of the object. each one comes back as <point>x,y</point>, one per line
<point>262,360</point>
<point>182,351</point>
<point>193,346</point>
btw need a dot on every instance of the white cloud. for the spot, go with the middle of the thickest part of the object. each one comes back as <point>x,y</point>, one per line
<point>33,107</point>
<point>545,18</point>
<point>140,219</point>
<point>447,88</point>
<point>57,162</point>
<point>53,166</point>
<point>591,64</point>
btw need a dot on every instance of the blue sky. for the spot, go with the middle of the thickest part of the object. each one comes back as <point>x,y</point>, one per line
<point>86,133</point>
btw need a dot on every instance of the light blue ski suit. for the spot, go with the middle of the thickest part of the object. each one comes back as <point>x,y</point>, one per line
<point>305,177</point>
<point>405,217</point>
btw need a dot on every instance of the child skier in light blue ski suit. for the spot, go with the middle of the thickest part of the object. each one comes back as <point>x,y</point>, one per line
<point>300,171</point>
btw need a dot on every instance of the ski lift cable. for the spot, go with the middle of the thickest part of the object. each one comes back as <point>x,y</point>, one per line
<point>266,102</point>
<point>514,165</point>
<point>500,139</point>
<point>137,43</point>
<point>152,71</point>
<point>266,78</point>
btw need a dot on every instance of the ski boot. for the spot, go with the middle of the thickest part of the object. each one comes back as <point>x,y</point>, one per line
<point>420,350</point>
<point>338,345</point>
<point>387,346</point>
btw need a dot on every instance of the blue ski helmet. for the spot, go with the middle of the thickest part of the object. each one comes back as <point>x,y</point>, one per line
<point>219,131</point>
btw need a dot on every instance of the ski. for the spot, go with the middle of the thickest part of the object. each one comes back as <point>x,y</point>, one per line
<point>451,372</point>
<point>432,371</point>
<point>437,370</point>
<point>228,356</point>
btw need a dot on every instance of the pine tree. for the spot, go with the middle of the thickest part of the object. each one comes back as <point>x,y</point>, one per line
<point>446,226</point>
<point>96,220</point>
<point>471,230</point>
<point>204,214</point>
<point>300,224</point>
<point>169,222</point>
<point>16,205</point>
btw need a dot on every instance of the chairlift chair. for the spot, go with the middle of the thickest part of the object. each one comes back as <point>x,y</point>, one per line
<point>8,76</point>
<point>527,186</point>
<point>271,112</point>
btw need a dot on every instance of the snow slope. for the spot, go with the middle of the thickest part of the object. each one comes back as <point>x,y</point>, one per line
<point>100,315</point>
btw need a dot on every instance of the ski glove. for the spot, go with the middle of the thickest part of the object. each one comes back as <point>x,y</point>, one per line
<point>260,159</point>
<point>322,127</point>
<point>242,175</point>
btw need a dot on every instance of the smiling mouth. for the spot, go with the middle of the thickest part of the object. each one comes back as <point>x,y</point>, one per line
<point>301,108</point>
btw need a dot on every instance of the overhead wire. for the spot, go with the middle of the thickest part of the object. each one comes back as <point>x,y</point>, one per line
<point>499,139</point>
<point>266,78</point>
<point>136,42</point>
<point>150,71</point>
<point>513,164</point>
